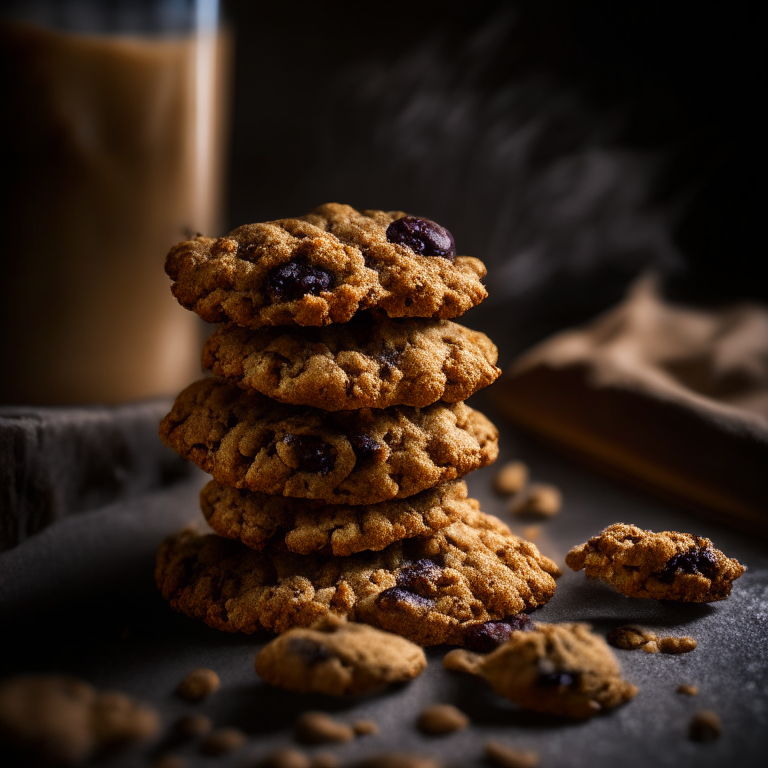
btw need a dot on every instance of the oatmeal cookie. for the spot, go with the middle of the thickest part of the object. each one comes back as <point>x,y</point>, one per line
<point>338,658</point>
<point>61,720</point>
<point>307,526</point>
<point>661,566</point>
<point>370,362</point>
<point>246,440</point>
<point>430,590</point>
<point>324,267</point>
<point>563,669</point>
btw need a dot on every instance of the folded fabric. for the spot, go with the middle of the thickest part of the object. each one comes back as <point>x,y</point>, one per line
<point>671,396</point>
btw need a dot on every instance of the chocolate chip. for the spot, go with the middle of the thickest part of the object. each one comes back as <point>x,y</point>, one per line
<point>556,679</point>
<point>392,597</point>
<point>422,236</point>
<point>312,453</point>
<point>420,575</point>
<point>488,636</point>
<point>296,279</point>
<point>364,446</point>
<point>694,561</point>
<point>308,650</point>
<point>247,251</point>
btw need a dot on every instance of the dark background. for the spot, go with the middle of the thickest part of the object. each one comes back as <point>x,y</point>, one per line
<point>568,145</point>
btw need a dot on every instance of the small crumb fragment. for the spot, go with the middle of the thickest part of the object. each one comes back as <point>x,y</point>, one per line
<point>705,726</point>
<point>511,478</point>
<point>284,758</point>
<point>531,532</point>
<point>441,718</point>
<point>222,741</point>
<point>459,660</point>
<point>630,638</point>
<point>651,647</point>
<point>198,684</point>
<point>319,728</point>
<point>538,501</point>
<point>168,760</point>
<point>507,757</point>
<point>191,726</point>
<point>688,690</point>
<point>677,645</point>
<point>365,727</point>
<point>325,760</point>
<point>396,760</point>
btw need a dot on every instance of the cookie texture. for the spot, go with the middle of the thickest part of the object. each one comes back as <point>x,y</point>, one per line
<point>246,440</point>
<point>563,669</point>
<point>430,590</point>
<point>338,658</point>
<point>371,362</point>
<point>58,720</point>
<point>318,269</point>
<point>305,526</point>
<point>661,566</point>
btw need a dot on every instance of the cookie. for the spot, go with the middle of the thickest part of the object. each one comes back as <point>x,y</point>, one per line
<point>61,720</point>
<point>322,268</point>
<point>246,440</point>
<point>306,526</point>
<point>370,362</point>
<point>430,590</point>
<point>661,566</point>
<point>563,669</point>
<point>338,658</point>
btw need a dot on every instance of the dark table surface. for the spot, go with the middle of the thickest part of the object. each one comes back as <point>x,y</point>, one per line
<point>79,598</point>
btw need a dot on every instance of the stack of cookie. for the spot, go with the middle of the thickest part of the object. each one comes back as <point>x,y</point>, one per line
<point>335,431</point>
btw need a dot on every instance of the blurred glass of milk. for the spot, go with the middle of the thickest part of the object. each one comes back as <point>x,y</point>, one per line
<point>115,119</point>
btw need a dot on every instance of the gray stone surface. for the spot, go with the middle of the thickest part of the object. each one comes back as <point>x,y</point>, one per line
<point>56,462</point>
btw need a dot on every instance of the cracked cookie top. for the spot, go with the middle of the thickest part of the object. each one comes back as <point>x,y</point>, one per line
<point>431,589</point>
<point>246,440</point>
<point>306,526</point>
<point>322,268</point>
<point>371,362</point>
<point>662,566</point>
<point>563,669</point>
<point>338,658</point>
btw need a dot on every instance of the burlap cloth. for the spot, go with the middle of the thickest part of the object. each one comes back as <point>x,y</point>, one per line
<point>672,397</point>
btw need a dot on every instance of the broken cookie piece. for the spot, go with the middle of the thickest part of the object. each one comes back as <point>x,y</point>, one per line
<point>562,669</point>
<point>338,658</point>
<point>660,566</point>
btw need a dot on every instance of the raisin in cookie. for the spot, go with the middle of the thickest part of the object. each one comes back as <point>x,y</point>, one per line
<point>338,658</point>
<point>430,590</point>
<point>306,526</point>
<point>246,440</point>
<point>662,566</point>
<point>324,267</point>
<point>57,720</point>
<point>370,362</point>
<point>563,669</point>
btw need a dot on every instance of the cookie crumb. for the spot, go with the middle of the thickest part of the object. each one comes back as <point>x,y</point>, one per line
<point>440,719</point>
<point>396,760</point>
<point>168,760</point>
<point>677,645</point>
<point>651,647</point>
<point>191,726</point>
<point>538,501</point>
<point>198,684</point>
<point>365,727</point>
<point>319,728</point>
<point>459,660</point>
<point>705,726</point>
<point>630,638</point>
<point>688,690</point>
<point>222,741</point>
<point>511,478</point>
<point>508,757</point>
<point>325,760</point>
<point>284,758</point>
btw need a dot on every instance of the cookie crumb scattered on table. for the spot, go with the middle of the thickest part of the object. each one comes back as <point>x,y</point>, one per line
<point>511,478</point>
<point>396,760</point>
<point>222,741</point>
<point>687,690</point>
<point>365,727</point>
<point>439,719</point>
<point>539,500</point>
<point>705,726</point>
<point>507,757</point>
<point>677,645</point>
<point>198,684</point>
<point>630,638</point>
<point>320,728</point>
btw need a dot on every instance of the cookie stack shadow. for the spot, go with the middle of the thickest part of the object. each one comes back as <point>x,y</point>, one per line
<point>337,445</point>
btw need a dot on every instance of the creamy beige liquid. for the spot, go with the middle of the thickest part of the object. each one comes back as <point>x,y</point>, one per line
<point>115,154</point>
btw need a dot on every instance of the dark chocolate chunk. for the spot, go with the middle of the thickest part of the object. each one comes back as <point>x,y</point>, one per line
<point>488,636</point>
<point>556,679</point>
<point>421,576</point>
<point>308,650</point>
<point>296,279</point>
<point>364,446</point>
<point>694,561</point>
<point>422,236</point>
<point>392,597</point>
<point>312,453</point>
